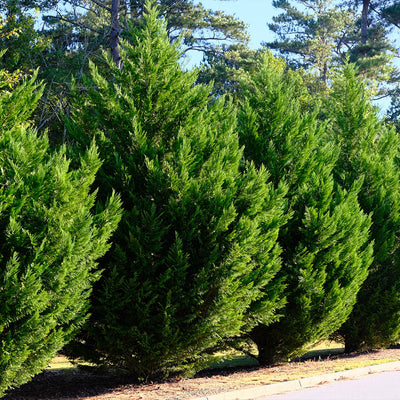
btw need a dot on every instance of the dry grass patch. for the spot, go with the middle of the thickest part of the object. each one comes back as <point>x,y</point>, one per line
<point>60,363</point>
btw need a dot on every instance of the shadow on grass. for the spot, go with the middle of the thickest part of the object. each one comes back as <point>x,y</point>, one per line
<point>321,354</point>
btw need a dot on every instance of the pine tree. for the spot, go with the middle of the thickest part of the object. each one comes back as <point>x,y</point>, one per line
<point>49,240</point>
<point>310,34</point>
<point>224,68</point>
<point>197,241</point>
<point>322,34</point>
<point>325,251</point>
<point>370,149</point>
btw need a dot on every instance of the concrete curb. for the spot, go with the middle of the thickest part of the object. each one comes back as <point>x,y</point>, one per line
<point>290,386</point>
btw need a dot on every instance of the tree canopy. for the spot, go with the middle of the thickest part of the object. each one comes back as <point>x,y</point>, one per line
<point>323,34</point>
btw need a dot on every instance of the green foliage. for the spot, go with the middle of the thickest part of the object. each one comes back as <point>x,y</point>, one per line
<point>325,251</point>
<point>371,150</point>
<point>374,60</point>
<point>197,241</point>
<point>18,35</point>
<point>393,113</point>
<point>311,34</point>
<point>390,11</point>
<point>49,240</point>
<point>71,32</point>
<point>186,18</point>
<point>224,68</point>
<point>321,35</point>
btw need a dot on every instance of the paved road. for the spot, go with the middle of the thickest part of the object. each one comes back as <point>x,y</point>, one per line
<point>380,386</point>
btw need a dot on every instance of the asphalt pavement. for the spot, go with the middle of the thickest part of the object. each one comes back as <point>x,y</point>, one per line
<point>381,386</point>
<point>376,382</point>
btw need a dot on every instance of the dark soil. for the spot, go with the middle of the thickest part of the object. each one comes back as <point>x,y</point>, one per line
<point>65,384</point>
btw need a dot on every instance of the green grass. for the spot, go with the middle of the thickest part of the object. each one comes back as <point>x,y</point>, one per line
<point>234,360</point>
<point>237,359</point>
<point>324,349</point>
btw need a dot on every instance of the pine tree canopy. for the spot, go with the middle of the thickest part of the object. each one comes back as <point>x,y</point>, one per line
<point>322,35</point>
<point>197,241</point>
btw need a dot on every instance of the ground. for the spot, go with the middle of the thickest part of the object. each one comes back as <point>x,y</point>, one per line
<point>72,384</point>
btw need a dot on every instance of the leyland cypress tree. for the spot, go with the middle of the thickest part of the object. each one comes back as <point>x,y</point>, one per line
<point>49,240</point>
<point>197,241</point>
<point>370,149</point>
<point>325,251</point>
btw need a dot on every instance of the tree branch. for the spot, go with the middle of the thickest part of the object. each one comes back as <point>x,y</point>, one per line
<point>384,16</point>
<point>100,4</point>
<point>80,25</point>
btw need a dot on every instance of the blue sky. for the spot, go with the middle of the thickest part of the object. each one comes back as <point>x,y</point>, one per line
<point>255,13</point>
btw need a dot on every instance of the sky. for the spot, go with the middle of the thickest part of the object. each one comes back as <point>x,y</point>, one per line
<point>255,13</point>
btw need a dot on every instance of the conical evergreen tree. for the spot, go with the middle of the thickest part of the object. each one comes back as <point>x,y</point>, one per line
<point>370,149</point>
<point>49,240</point>
<point>325,252</point>
<point>197,241</point>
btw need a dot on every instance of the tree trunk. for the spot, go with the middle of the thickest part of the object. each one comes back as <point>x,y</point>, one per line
<point>364,21</point>
<point>352,346</point>
<point>266,349</point>
<point>115,32</point>
<point>325,73</point>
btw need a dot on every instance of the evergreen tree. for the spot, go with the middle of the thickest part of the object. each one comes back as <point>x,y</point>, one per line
<point>83,28</point>
<point>371,150</point>
<point>310,34</point>
<point>369,45</point>
<point>18,35</point>
<point>389,10</point>
<point>322,34</point>
<point>197,241</point>
<point>49,240</point>
<point>201,29</point>
<point>59,37</point>
<point>325,251</point>
<point>393,113</point>
<point>224,68</point>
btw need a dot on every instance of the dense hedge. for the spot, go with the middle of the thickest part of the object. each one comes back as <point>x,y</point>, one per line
<point>371,150</point>
<point>273,218</point>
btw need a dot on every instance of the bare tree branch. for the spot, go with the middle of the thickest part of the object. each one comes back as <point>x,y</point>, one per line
<point>54,113</point>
